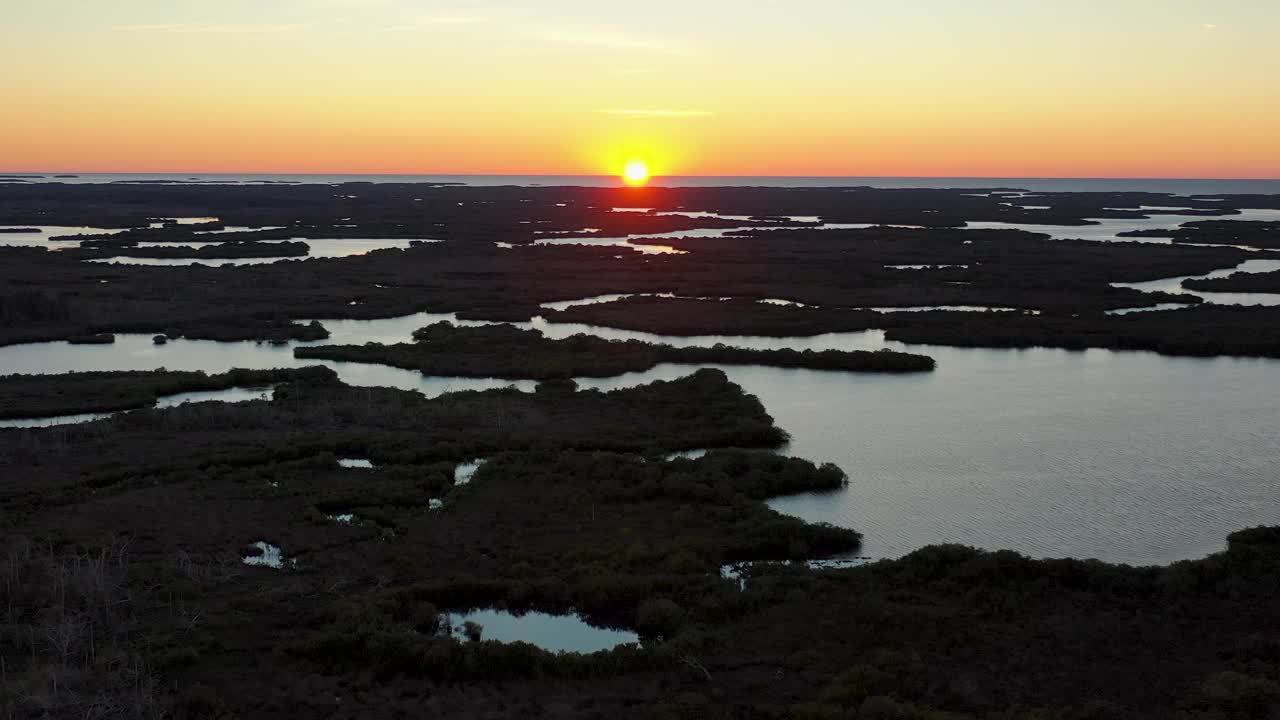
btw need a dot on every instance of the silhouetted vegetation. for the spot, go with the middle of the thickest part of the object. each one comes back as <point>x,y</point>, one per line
<point>1200,330</point>
<point>1204,331</point>
<point>26,396</point>
<point>122,542</point>
<point>314,415</point>
<point>182,625</point>
<point>1268,282</point>
<point>692,317</point>
<point>1249,233</point>
<point>471,275</point>
<point>452,211</point>
<point>78,629</point>
<point>508,352</point>
<point>210,252</point>
<point>95,339</point>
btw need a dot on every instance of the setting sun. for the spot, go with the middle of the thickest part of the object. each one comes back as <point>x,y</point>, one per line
<point>636,172</point>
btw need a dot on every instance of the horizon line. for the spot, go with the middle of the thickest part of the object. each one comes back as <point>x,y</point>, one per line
<point>655,177</point>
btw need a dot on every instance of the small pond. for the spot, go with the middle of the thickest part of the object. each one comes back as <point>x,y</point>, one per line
<point>555,633</point>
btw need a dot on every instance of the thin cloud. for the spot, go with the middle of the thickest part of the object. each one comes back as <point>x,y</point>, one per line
<point>358,4</point>
<point>1209,26</point>
<point>596,36</point>
<point>636,112</point>
<point>213,28</point>
<point>436,21</point>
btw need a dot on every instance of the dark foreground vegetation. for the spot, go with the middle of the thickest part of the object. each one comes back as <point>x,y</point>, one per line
<point>509,352</point>
<point>133,600</point>
<point>125,593</point>
<point>139,574</point>
<point>30,396</point>
<point>316,413</point>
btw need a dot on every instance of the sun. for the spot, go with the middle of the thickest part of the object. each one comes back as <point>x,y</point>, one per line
<point>636,172</point>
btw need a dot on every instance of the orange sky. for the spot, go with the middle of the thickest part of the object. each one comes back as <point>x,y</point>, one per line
<point>1123,88</point>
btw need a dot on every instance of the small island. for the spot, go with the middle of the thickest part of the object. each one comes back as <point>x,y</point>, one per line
<point>509,352</point>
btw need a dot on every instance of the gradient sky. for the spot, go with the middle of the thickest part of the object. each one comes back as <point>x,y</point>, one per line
<point>1046,88</point>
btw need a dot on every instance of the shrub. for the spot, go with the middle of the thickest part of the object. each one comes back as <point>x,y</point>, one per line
<point>659,618</point>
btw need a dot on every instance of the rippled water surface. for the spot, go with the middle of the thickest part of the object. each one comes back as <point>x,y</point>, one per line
<point>1128,457</point>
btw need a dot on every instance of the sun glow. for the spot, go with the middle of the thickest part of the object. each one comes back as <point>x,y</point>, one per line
<point>636,172</point>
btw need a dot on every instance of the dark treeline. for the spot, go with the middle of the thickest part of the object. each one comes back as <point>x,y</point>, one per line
<point>26,396</point>
<point>472,276</point>
<point>1268,282</point>
<point>688,317</point>
<point>509,352</point>
<point>64,298</point>
<point>1220,232</point>
<point>57,295</point>
<point>94,339</point>
<point>495,213</point>
<point>990,268</point>
<point>1201,330</point>
<point>211,252</point>
<point>1206,331</point>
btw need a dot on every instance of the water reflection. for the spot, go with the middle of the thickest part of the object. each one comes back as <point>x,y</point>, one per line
<point>1109,229</point>
<point>138,352</point>
<point>1152,308</point>
<point>54,421</point>
<point>268,556</point>
<point>622,242</point>
<point>952,308</point>
<point>186,262</point>
<point>44,236</point>
<point>1124,456</point>
<point>1127,457</point>
<point>340,248</point>
<point>161,222</point>
<point>167,401</point>
<point>239,229</point>
<point>192,245</point>
<point>332,248</point>
<point>1174,285</point>
<point>555,633</point>
<point>463,473</point>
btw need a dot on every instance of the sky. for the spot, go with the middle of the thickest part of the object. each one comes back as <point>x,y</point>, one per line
<point>975,88</point>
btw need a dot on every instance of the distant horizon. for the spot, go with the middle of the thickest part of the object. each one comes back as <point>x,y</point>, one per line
<point>313,173</point>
